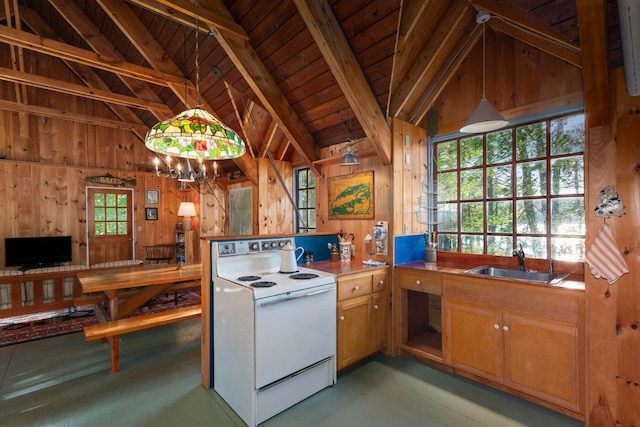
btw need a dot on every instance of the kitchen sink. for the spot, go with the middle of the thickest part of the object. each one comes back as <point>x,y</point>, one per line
<point>514,273</point>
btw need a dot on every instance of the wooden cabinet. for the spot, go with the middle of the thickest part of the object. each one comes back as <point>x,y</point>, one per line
<point>363,315</point>
<point>527,338</point>
<point>419,311</point>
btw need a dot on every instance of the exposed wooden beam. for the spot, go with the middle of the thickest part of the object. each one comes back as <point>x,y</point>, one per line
<point>519,17</point>
<point>443,41</point>
<point>267,90</point>
<point>592,25</point>
<point>560,51</point>
<point>99,42</point>
<point>75,117</point>
<point>83,56</point>
<point>333,44</point>
<point>76,90</point>
<point>82,72</point>
<point>433,84</point>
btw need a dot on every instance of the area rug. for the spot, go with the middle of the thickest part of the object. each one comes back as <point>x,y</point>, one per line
<point>31,327</point>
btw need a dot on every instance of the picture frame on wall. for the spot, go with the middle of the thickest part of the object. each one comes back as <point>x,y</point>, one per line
<point>151,214</point>
<point>351,196</point>
<point>153,197</point>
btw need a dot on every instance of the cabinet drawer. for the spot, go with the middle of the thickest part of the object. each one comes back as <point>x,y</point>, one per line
<point>380,282</point>
<point>421,281</point>
<point>351,287</point>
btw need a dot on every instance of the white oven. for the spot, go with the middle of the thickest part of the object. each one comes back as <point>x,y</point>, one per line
<point>274,334</point>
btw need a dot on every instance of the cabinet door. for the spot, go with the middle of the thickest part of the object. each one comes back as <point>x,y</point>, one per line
<point>353,332</point>
<point>379,321</point>
<point>541,358</point>
<point>475,340</point>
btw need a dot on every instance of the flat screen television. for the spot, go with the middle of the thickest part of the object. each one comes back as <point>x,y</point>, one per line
<point>32,252</point>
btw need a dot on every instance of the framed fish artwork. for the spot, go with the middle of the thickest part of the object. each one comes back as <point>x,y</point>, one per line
<point>153,197</point>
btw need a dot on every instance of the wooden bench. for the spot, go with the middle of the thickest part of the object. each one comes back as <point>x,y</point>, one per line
<point>112,329</point>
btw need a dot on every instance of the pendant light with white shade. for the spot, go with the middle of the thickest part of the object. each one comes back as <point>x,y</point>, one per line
<point>485,117</point>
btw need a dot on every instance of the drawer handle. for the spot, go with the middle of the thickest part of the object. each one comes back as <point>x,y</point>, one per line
<point>505,328</point>
<point>381,282</point>
<point>417,282</point>
<point>341,317</point>
<point>355,288</point>
<point>496,326</point>
<point>375,307</point>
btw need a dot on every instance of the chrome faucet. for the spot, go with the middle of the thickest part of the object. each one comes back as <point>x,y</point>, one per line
<point>519,252</point>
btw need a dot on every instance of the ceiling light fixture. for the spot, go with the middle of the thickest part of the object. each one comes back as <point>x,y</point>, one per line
<point>195,133</point>
<point>485,117</point>
<point>184,172</point>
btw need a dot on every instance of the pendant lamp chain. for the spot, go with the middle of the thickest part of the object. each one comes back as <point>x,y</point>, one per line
<point>484,58</point>
<point>198,100</point>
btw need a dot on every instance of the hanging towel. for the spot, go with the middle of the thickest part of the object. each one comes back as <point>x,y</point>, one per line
<point>604,258</point>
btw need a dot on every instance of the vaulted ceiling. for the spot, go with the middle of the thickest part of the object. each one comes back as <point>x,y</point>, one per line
<point>290,76</point>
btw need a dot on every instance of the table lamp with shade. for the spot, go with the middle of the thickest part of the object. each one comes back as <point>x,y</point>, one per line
<point>188,211</point>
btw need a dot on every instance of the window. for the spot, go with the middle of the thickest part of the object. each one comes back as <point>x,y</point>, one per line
<point>305,198</point>
<point>111,213</point>
<point>522,185</point>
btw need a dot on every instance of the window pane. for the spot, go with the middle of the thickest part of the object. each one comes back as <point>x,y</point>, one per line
<point>499,147</point>
<point>532,216</point>
<point>471,184</point>
<point>111,199</point>
<point>302,178</point>
<point>447,155</point>
<point>122,200</point>
<point>122,228</point>
<point>471,152</point>
<point>302,198</point>
<point>531,179</point>
<point>499,245</point>
<point>448,242</point>
<point>447,186</point>
<point>98,199</point>
<point>569,249</point>
<point>500,217</point>
<point>567,175</point>
<point>499,183</point>
<point>471,244</point>
<point>99,229</point>
<point>111,228</point>
<point>98,214</point>
<point>567,135</point>
<point>534,247</point>
<point>531,141</point>
<point>312,218</point>
<point>122,214</point>
<point>111,214</point>
<point>311,180</point>
<point>472,217</point>
<point>448,217</point>
<point>312,198</point>
<point>567,216</point>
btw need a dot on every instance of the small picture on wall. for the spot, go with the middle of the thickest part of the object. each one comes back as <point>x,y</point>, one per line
<point>151,214</point>
<point>153,197</point>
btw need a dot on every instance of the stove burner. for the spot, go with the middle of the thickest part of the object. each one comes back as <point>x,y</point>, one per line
<point>303,276</point>
<point>249,278</point>
<point>263,284</point>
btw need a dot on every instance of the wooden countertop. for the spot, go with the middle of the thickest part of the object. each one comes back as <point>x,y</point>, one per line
<point>342,268</point>
<point>430,266</point>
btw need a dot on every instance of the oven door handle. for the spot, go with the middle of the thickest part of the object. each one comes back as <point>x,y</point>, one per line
<point>279,301</point>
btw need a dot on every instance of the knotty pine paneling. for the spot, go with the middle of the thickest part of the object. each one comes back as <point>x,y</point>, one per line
<point>275,212</point>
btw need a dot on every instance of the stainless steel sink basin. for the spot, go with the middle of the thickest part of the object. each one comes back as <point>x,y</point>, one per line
<point>514,273</point>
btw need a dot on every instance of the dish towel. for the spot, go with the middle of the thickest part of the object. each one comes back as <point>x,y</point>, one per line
<point>604,258</point>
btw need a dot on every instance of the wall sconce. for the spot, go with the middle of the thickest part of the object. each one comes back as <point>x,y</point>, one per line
<point>188,211</point>
<point>349,158</point>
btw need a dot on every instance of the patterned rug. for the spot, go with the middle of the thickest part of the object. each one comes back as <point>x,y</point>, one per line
<point>31,327</point>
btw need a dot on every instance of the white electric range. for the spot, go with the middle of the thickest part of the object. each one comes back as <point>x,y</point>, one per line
<point>274,334</point>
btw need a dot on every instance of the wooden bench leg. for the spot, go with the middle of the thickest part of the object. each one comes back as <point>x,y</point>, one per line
<point>114,343</point>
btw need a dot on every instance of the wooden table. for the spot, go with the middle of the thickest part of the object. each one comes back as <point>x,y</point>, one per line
<point>126,289</point>
<point>151,280</point>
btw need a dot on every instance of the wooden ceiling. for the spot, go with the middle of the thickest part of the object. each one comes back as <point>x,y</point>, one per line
<point>290,76</point>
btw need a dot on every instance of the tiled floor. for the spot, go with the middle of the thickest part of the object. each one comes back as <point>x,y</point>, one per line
<point>66,381</point>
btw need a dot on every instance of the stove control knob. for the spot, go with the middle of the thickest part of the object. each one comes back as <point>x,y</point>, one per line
<point>274,245</point>
<point>254,246</point>
<point>265,245</point>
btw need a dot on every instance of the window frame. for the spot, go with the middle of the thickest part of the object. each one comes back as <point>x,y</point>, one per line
<point>517,236</point>
<point>305,211</point>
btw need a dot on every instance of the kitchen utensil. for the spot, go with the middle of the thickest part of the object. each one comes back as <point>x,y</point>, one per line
<point>288,258</point>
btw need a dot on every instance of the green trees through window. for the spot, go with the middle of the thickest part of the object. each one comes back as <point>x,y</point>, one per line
<point>305,197</point>
<point>522,185</point>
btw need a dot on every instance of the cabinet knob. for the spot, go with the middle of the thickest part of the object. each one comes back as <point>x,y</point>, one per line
<point>375,307</point>
<point>505,328</point>
<point>341,317</point>
<point>381,282</point>
<point>496,326</point>
<point>417,282</point>
<point>355,288</point>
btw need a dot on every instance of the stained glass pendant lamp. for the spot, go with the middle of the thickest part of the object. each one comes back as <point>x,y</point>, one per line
<point>195,133</point>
